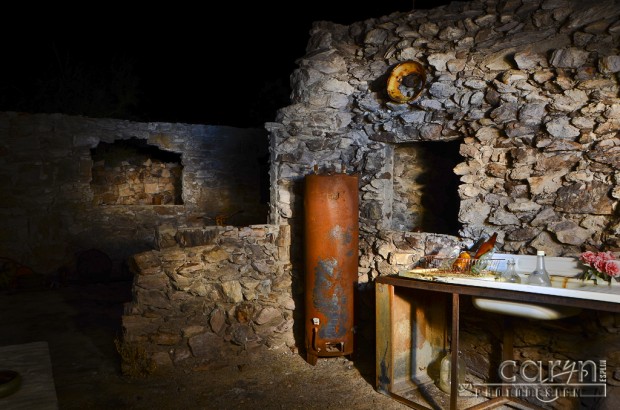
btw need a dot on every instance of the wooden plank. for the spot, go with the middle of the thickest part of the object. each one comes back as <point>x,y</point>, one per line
<point>384,375</point>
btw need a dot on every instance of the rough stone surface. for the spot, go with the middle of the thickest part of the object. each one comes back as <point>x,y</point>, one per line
<point>528,89</point>
<point>212,309</point>
<point>548,119</point>
<point>59,198</point>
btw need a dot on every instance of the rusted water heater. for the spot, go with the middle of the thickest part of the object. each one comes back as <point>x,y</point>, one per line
<point>331,259</point>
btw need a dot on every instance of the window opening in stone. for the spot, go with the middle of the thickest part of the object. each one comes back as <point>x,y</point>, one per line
<point>425,194</point>
<point>132,172</point>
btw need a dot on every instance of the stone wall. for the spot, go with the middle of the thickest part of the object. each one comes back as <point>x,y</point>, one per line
<point>134,173</point>
<point>50,211</point>
<point>206,289</point>
<point>528,88</point>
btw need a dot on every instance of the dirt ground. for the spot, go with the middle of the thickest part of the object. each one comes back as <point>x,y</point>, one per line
<point>81,321</point>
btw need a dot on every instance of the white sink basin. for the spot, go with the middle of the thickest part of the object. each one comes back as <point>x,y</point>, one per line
<point>538,311</point>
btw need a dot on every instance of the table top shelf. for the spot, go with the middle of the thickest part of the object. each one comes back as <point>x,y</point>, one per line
<point>603,301</point>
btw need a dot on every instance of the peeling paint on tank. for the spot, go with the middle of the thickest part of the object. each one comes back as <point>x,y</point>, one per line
<point>347,236</point>
<point>335,232</point>
<point>338,233</point>
<point>330,299</point>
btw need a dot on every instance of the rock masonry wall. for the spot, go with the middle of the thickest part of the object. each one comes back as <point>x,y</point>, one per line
<point>529,88</point>
<point>50,210</point>
<point>205,288</point>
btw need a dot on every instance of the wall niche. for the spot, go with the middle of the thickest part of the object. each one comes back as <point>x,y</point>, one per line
<point>132,172</point>
<point>425,195</point>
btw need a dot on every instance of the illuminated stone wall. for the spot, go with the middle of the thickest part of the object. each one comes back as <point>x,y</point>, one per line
<point>51,210</point>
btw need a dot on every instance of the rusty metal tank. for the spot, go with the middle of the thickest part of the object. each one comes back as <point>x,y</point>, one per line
<point>331,243</point>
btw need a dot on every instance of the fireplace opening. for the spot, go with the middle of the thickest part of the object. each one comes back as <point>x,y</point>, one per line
<point>132,172</point>
<point>425,194</point>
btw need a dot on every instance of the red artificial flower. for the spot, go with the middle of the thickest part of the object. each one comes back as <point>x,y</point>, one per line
<point>603,265</point>
<point>588,258</point>
<point>601,260</point>
<point>612,268</point>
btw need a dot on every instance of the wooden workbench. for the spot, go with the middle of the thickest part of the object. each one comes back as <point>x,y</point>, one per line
<point>412,324</point>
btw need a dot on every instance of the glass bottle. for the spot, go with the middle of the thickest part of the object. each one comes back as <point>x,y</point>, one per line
<point>474,248</point>
<point>539,276</point>
<point>445,371</point>
<point>486,246</point>
<point>510,274</point>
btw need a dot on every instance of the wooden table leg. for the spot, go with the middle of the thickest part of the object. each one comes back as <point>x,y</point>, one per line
<point>454,345</point>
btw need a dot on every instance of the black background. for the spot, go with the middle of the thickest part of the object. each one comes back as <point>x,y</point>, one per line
<point>228,65</point>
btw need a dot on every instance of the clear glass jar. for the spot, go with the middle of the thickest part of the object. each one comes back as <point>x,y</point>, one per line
<point>483,262</point>
<point>539,276</point>
<point>445,371</point>
<point>510,274</point>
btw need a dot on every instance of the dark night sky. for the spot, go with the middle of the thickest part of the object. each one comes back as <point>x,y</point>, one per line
<point>193,66</point>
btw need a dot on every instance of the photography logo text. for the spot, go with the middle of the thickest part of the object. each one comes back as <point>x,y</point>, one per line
<point>547,381</point>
